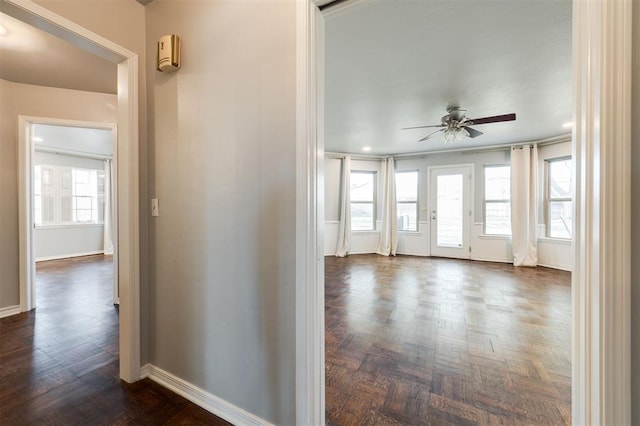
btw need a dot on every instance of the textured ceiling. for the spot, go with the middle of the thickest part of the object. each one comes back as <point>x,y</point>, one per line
<point>393,64</point>
<point>31,56</point>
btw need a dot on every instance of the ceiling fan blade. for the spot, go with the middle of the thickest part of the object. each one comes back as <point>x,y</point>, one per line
<point>472,132</point>
<point>422,127</point>
<point>430,135</point>
<point>493,119</point>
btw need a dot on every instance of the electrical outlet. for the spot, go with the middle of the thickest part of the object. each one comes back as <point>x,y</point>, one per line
<point>155,208</point>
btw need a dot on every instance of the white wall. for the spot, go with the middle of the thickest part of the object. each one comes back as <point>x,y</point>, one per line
<point>223,165</point>
<point>552,253</point>
<point>60,241</point>
<point>361,241</point>
<point>39,101</point>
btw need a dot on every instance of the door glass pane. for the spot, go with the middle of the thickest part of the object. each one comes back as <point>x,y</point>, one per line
<point>449,210</point>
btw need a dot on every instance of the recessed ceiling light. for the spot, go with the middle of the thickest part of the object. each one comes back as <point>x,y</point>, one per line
<point>568,125</point>
<point>37,139</point>
<point>366,149</point>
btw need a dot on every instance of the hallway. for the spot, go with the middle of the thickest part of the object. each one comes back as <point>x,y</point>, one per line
<point>59,363</point>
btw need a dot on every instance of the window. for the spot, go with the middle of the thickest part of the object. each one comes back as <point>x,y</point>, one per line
<point>497,200</point>
<point>559,200</point>
<point>363,205</point>
<point>67,195</point>
<point>407,200</point>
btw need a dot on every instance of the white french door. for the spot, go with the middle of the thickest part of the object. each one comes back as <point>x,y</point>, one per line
<point>450,208</point>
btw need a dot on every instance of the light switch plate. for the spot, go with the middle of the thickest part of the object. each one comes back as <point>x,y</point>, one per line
<point>155,208</point>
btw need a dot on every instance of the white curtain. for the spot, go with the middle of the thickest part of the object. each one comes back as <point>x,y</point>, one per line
<point>389,232</point>
<point>344,228</point>
<point>108,207</point>
<point>524,212</point>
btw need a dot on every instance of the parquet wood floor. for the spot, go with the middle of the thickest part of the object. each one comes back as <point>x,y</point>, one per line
<point>59,363</point>
<point>413,341</point>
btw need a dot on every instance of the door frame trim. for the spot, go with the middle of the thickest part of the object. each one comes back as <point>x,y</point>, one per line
<point>471,166</point>
<point>26,150</point>
<point>601,337</point>
<point>601,279</point>
<point>128,214</point>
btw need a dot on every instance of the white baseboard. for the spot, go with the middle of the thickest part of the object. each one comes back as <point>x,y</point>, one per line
<point>559,267</point>
<point>487,259</point>
<point>66,256</point>
<point>202,398</point>
<point>9,310</point>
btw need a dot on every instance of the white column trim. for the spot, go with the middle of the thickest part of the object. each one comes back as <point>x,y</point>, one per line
<point>310,403</point>
<point>601,278</point>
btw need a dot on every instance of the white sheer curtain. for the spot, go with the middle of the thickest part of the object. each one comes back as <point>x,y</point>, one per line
<point>524,212</point>
<point>344,228</point>
<point>389,232</point>
<point>108,207</point>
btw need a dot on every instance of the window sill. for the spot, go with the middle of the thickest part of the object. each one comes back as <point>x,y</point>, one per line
<point>365,232</point>
<point>561,241</point>
<point>70,225</point>
<point>410,233</point>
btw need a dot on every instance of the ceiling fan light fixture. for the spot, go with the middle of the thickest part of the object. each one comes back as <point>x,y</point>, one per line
<point>455,134</point>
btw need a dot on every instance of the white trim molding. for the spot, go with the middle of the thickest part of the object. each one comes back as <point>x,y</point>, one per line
<point>8,311</point>
<point>310,402</point>
<point>601,387</point>
<point>202,398</point>
<point>68,256</point>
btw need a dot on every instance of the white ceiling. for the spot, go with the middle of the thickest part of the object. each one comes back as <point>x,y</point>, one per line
<point>73,139</point>
<point>401,63</point>
<point>31,56</point>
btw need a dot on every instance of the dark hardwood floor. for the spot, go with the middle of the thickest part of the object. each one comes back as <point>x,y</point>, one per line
<point>59,363</point>
<point>412,340</point>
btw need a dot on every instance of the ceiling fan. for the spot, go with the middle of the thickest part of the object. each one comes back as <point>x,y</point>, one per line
<point>455,125</point>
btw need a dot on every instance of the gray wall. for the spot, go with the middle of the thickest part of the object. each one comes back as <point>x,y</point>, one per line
<point>635,214</point>
<point>222,163</point>
<point>9,277</point>
<point>25,99</point>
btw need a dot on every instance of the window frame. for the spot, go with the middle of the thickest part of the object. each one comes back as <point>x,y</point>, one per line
<point>499,201</point>
<point>374,201</point>
<point>416,202</point>
<point>59,194</point>
<point>548,200</point>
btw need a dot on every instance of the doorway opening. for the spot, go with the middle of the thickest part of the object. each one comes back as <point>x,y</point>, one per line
<point>73,194</point>
<point>430,337</point>
<point>600,169</point>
